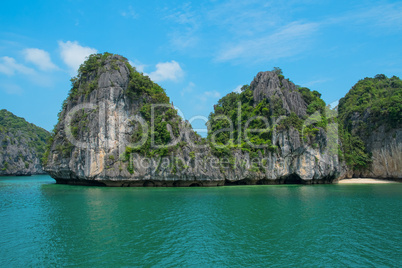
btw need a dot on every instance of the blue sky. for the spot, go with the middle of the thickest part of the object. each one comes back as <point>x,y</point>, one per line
<point>198,51</point>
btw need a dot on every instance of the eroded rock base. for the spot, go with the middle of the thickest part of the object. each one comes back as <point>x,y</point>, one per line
<point>293,179</point>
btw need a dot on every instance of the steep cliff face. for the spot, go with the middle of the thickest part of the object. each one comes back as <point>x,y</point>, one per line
<point>284,132</point>
<point>371,118</point>
<point>273,87</point>
<point>385,147</point>
<point>22,146</point>
<point>112,108</point>
<point>118,128</point>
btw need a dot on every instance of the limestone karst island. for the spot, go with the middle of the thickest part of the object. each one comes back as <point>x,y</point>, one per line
<point>119,128</point>
<point>222,133</point>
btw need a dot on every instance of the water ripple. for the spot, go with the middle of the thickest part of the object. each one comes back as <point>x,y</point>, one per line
<point>44,224</point>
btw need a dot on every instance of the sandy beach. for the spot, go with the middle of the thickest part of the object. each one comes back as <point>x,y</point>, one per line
<point>364,180</point>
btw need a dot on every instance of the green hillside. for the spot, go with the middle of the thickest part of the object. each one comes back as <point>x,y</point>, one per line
<point>371,102</point>
<point>19,128</point>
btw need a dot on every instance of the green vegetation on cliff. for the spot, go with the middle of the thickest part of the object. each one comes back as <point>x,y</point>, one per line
<point>145,96</point>
<point>18,128</point>
<point>240,112</point>
<point>88,75</point>
<point>156,110</point>
<point>91,70</point>
<point>22,145</point>
<point>259,120</point>
<point>372,102</point>
<point>380,96</point>
<point>235,108</point>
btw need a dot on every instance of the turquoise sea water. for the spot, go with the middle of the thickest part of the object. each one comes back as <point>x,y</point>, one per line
<point>44,224</point>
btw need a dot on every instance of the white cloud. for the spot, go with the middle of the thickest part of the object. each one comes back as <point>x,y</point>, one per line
<point>188,89</point>
<point>334,104</point>
<point>314,82</point>
<point>231,21</point>
<point>73,54</point>
<point>238,89</point>
<point>9,66</point>
<point>248,18</point>
<point>138,66</point>
<point>382,16</point>
<point>167,71</point>
<point>183,15</point>
<point>204,101</point>
<point>287,41</point>
<point>130,13</point>
<point>183,40</point>
<point>213,94</point>
<point>187,24</point>
<point>209,95</point>
<point>387,16</point>
<point>40,58</point>
<point>257,30</point>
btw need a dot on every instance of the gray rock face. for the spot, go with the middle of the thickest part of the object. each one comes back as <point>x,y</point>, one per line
<point>385,146</point>
<point>114,74</point>
<point>268,85</point>
<point>17,158</point>
<point>109,114</point>
<point>386,149</point>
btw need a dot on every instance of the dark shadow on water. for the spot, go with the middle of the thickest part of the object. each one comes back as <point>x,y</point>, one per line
<point>149,184</point>
<point>292,179</point>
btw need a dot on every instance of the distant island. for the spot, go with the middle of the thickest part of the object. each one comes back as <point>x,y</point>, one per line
<point>119,128</point>
<point>22,146</point>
